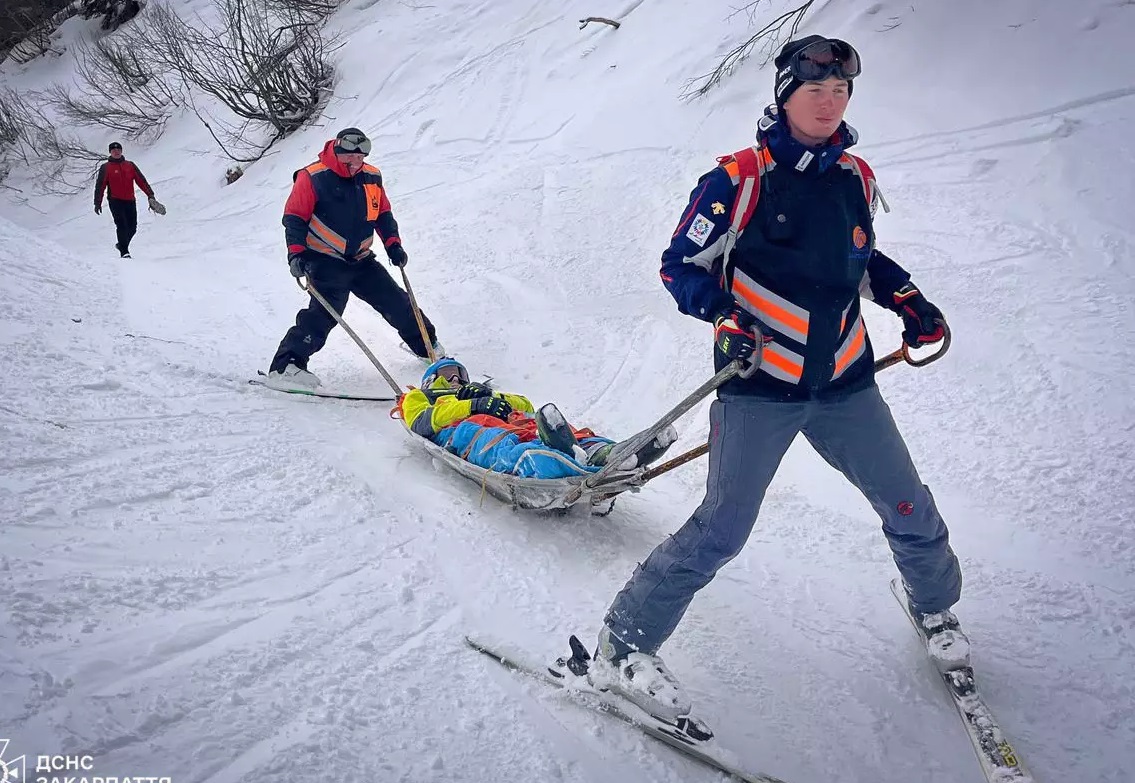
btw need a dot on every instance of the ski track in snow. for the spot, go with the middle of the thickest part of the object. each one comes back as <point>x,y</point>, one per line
<point>210,581</point>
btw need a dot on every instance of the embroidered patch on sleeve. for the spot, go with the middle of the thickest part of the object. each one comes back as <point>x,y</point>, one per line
<point>700,230</point>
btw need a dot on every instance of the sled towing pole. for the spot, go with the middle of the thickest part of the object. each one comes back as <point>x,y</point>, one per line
<point>890,360</point>
<point>631,445</point>
<point>358,341</point>
<point>418,317</point>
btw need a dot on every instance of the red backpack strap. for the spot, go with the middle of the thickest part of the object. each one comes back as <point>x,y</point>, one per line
<point>745,168</point>
<point>866,176</point>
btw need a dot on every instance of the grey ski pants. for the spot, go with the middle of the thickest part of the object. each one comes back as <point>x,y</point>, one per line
<point>748,438</point>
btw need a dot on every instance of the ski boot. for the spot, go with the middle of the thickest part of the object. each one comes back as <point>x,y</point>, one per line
<point>293,377</point>
<point>641,679</point>
<point>946,643</point>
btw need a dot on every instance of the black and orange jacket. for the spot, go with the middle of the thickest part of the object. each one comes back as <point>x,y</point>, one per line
<point>800,267</point>
<point>117,179</point>
<point>334,214</point>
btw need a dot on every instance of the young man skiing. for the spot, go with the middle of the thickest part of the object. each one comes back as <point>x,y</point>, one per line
<point>335,207</point>
<point>775,248</point>
<point>503,432</point>
<point>117,178</point>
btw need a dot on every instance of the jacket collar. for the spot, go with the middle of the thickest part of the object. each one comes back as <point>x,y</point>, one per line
<point>787,151</point>
<point>328,159</point>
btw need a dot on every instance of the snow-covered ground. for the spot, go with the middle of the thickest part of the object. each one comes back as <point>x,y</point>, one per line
<point>209,581</point>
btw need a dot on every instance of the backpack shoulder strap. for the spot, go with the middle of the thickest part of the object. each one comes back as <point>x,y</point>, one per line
<point>866,175</point>
<point>745,168</point>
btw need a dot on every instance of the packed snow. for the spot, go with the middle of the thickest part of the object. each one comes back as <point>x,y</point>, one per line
<point>209,581</point>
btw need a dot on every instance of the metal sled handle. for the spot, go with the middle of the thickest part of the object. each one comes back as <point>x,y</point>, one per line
<point>903,353</point>
<point>630,446</point>
<point>358,340</point>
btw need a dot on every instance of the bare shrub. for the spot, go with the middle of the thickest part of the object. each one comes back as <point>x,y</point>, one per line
<point>59,162</point>
<point>271,72</point>
<point>15,125</point>
<point>26,26</point>
<point>121,91</point>
<point>307,10</point>
<point>769,38</point>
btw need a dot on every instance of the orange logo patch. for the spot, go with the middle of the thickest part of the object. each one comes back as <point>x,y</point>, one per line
<point>859,238</point>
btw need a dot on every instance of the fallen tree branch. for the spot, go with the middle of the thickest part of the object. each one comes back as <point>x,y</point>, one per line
<point>584,22</point>
<point>771,36</point>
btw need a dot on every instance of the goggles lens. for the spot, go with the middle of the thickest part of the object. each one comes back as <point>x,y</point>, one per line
<point>822,59</point>
<point>454,373</point>
<point>354,143</point>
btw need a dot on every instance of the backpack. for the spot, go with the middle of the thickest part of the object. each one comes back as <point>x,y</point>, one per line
<point>753,162</point>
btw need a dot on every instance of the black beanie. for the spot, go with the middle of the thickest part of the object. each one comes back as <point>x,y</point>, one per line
<point>114,145</point>
<point>786,83</point>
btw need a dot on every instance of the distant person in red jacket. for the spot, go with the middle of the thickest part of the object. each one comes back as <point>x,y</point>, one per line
<point>117,177</point>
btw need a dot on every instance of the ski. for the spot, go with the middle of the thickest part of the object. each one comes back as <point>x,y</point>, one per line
<point>261,380</point>
<point>999,761</point>
<point>565,674</point>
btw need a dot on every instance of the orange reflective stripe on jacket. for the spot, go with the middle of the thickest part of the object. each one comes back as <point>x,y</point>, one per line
<point>854,346</point>
<point>770,308</point>
<point>320,230</point>
<point>781,363</point>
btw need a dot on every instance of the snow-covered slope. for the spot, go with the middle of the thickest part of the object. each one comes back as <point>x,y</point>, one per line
<point>207,581</point>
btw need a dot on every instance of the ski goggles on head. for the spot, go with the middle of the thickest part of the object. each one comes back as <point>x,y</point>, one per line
<point>353,143</point>
<point>823,59</point>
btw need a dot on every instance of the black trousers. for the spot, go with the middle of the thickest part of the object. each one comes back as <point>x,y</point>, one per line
<point>125,212</point>
<point>336,280</point>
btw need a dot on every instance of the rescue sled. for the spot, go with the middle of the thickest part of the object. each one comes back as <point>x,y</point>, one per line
<point>535,494</point>
<point>597,490</point>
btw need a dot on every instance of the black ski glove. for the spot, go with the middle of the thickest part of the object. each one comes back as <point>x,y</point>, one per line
<point>492,406</point>
<point>736,333</point>
<point>397,255</point>
<point>296,265</point>
<point>473,390</point>
<point>98,209</point>
<point>923,321</point>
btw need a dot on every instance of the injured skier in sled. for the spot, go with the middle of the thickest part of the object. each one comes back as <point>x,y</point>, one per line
<point>504,433</point>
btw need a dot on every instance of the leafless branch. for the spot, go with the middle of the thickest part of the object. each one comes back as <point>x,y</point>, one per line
<point>602,19</point>
<point>769,37</point>
<point>59,160</point>
<point>269,71</point>
<point>121,91</point>
<point>307,10</point>
<point>26,26</point>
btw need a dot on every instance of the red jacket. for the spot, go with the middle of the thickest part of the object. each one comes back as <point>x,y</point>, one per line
<point>334,214</point>
<point>118,177</point>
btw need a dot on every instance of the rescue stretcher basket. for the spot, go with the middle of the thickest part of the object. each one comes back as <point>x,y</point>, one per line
<point>534,494</point>
<point>598,490</point>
